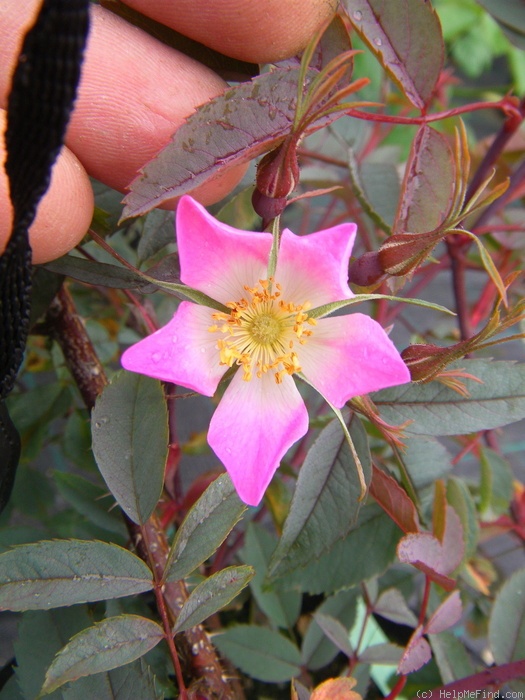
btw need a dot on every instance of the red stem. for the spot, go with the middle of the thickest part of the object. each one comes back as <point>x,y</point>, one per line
<point>424,602</point>
<point>505,105</point>
<point>397,688</point>
<point>495,676</point>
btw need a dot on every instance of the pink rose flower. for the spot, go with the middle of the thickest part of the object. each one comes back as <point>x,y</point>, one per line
<point>267,333</point>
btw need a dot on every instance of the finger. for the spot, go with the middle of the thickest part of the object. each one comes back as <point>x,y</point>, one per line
<point>64,213</point>
<point>260,31</point>
<point>134,93</point>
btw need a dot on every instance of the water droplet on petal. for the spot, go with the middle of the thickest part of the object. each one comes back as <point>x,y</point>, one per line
<point>378,41</point>
<point>174,338</point>
<point>156,357</point>
<point>228,450</point>
<point>358,15</point>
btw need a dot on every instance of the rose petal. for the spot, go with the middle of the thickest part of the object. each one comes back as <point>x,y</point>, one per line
<point>253,427</point>
<point>314,268</point>
<point>215,258</point>
<point>349,356</point>
<point>182,352</point>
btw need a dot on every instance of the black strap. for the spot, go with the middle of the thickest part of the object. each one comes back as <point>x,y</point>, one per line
<point>40,102</point>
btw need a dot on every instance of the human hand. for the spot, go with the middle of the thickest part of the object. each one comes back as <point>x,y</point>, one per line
<point>135,92</point>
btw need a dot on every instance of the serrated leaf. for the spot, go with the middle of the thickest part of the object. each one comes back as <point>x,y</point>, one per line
<point>336,632</point>
<point>41,634</point>
<point>326,500</point>
<point>406,38</point>
<point>392,606</point>
<point>436,559</point>
<point>317,650</point>
<point>234,128</point>
<point>204,528</point>
<point>426,198</point>
<point>211,595</point>
<point>108,644</point>
<point>157,232</point>
<point>394,501</point>
<point>452,658</point>
<point>130,441</point>
<point>260,652</point>
<point>386,653</point>
<point>437,410</point>
<point>281,607</point>
<point>351,561</point>
<point>134,680</point>
<point>416,654</point>
<point>446,615</point>
<point>64,572</point>
<point>98,273</point>
<point>426,460</point>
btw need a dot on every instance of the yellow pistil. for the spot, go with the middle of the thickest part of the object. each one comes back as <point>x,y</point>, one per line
<point>261,332</point>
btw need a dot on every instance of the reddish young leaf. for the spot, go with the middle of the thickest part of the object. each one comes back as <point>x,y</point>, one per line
<point>235,127</point>
<point>429,184</point>
<point>446,615</point>
<point>394,501</point>
<point>392,606</point>
<point>416,654</point>
<point>436,559</point>
<point>406,37</point>
<point>453,541</point>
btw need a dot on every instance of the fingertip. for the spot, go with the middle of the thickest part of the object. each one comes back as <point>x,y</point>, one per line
<point>261,32</point>
<point>64,213</point>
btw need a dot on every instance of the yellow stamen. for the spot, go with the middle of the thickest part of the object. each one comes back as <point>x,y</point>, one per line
<point>260,332</point>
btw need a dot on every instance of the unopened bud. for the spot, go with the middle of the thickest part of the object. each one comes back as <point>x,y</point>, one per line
<point>426,361</point>
<point>267,207</point>
<point>278,171</point>
<point>366,270</point>
<point>277,176</point>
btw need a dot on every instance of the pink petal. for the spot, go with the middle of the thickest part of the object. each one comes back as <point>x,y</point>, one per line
<point>253,427</point>
<point>182,352</point>
<point>215,258</point>
<point>351,355</point>
<point>315,267</point>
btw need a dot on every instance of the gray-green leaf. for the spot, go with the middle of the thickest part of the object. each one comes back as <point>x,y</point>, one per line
<point>260,652</point>
<point>212,594</point>
<point>205,527</point>
<point>107,645</point>
<point>130,442</point>
<point>507,623</point>
<point>281,607</point>
<point>437,410</point>
<point>64,572</point>
<point>326,499</point>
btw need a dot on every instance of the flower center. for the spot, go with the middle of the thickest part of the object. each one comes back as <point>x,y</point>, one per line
<point>261,333</point>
